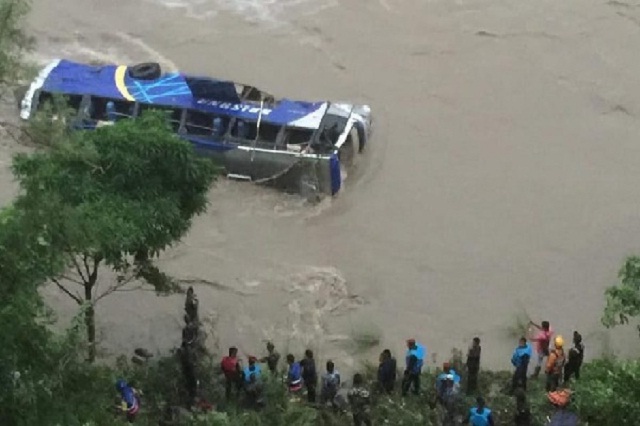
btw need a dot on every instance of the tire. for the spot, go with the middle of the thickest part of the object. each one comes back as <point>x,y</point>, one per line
<point>145,71</point>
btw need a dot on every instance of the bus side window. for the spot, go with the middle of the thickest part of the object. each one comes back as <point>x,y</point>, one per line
<point>73,102</point>
<point>123,109</point>
<point>97,109</point>
<point>296,136</point>
<point>244,129</point>
<point>199,123</point>
<point>44,98</point>
<point>269,132</point>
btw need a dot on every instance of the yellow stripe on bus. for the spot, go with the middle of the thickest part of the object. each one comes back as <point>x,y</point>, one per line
<point>121,72</point>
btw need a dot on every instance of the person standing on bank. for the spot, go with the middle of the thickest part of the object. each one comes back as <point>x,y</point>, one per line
<point>271,358</point>
<point>542,340</point>
<point>555,365</point>
<point>387,372</point>
<point>520,360</point>
<point>360,401</point>
<point>576,356</point>
<point>309,375</point>
<point>473,365</point>
<point>414,362</point>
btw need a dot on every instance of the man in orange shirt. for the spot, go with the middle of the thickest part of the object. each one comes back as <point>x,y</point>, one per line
<point>555,365</point>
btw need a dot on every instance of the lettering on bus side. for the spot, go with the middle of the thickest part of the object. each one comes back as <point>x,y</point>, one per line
<point>234,107</point>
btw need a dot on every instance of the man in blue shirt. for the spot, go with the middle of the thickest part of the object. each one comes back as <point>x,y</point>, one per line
<point>520,360</point>
<point>414,361</point>
<point>480,415</point>
<point>252,368</point>
<point>441,380</point>
<point>294,374</point>
<point>130,402</point>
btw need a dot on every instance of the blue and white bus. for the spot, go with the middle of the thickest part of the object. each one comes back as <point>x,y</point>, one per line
<point>255,136</point>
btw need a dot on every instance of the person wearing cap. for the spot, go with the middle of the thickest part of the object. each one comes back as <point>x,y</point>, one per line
<point>441,385</point>
<point>272,358</point>
<point>555,365</point>
<point>252,369</point>
<point>520,360</point>
<point>480,415</point>
<point>414,362</point>
<point>576,356</point>
<point>449,398</point>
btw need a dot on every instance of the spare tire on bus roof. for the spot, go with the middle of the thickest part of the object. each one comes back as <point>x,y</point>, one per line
<point>145,71</point>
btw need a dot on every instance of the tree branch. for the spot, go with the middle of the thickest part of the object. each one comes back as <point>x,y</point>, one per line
<point>116,287</point>
<point>73,280</point>
<point>79,270</point>
<point>86,266</point>
<point>67,292</point>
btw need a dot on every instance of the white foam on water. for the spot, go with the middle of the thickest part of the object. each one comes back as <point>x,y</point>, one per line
<point>267,12</point>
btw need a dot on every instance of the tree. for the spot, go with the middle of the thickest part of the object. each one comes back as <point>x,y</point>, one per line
<point>608,393</point>
<point>116,196</point>
<point>623,300</point>
<point>13,40</point>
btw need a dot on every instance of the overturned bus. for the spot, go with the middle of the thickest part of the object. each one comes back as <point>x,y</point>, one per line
<point>296,145</point>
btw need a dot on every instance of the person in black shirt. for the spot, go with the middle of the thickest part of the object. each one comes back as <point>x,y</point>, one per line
<point>473,365</point>
<point>576,356</point>
<point>387,371</point>
<point>272,358</point>
<point>309,375</point>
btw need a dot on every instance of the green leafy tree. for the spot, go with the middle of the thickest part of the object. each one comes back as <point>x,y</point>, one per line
<point>116,196</point>
<point>14,42</point>
<point>623,300</point>
<point>608,393</point>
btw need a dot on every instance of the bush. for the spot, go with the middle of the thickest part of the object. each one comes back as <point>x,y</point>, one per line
<point>608,393</point>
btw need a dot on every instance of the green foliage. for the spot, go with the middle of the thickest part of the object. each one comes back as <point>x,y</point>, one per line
<point>13,40</point>
<point>49,125</point>
<point>120,190</point>
<point>608,393</point>
<point>118,196</point>
<point>623,300</point>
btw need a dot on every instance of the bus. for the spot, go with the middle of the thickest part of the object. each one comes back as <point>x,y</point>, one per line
<point>296,145</point>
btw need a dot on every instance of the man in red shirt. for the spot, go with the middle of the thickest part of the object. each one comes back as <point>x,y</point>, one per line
<point>542,339</point>
<point>232,371</point>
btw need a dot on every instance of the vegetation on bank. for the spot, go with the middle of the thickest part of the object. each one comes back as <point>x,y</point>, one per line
<point>115,198</point>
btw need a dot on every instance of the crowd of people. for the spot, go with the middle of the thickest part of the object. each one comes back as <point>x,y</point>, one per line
<point>245,382</point>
